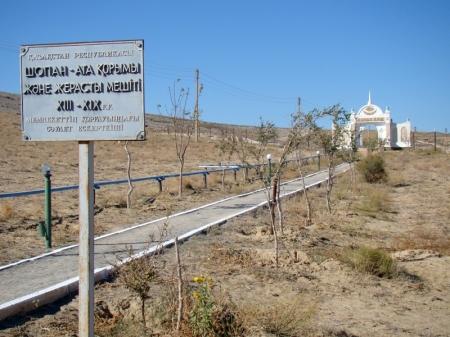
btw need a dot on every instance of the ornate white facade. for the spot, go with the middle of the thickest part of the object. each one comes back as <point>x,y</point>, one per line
<point>390,134</point>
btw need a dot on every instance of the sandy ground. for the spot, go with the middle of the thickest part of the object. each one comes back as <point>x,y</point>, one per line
<point>315,293</point>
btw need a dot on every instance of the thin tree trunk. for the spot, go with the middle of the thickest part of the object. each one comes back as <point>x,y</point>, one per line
<point>305,191</point>
<point>279,209</point>
<point>308,204</point>
<point>180,186</point>
<point>144,324</point>
<point>180,286</point>
<point>130,185</point>
<point>223,179</point>
<point>329,185</point>
<point>272,217</point>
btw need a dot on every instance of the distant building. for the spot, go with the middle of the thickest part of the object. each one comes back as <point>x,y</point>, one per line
<point>371,118</point>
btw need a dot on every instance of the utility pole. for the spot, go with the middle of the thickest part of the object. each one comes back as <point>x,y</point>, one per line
<point>196,112</point>
<point>299,109</point>
<point>434,140</point>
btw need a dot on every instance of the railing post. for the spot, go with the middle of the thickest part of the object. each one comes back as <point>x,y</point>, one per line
<point>205,180</point>
<point>235,175</point>
<point>96,187</point>
<point>160,186</point>
<point>318,161</point>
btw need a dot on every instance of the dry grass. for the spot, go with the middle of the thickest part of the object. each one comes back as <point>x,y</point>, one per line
<point>222,255</point>
<point>398,180</point>
<point>347,303</point>
<point>6,210</point>
<point>423,239</point>
<point>281,318</point>
<point>370,260</point>
<point>375,201</point>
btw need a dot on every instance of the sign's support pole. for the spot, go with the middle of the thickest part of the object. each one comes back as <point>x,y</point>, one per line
<point>48,209</point>
<point>86,247</point>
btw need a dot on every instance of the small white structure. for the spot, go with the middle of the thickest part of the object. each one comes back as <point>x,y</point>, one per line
<point>390,134</point>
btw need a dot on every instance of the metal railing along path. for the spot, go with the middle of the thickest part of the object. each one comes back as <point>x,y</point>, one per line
<point>157,178</point>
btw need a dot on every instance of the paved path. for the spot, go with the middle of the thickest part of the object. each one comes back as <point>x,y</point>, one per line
<point>33,275</point>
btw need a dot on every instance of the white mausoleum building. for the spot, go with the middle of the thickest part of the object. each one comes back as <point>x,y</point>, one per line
<point>371,116</point>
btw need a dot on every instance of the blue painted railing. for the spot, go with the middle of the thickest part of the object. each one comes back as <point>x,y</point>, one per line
<point>158,178</point>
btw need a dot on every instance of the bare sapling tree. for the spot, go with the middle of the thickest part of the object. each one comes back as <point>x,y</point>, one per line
<point>265,134</point>
<point>288,147</point>
<point>182,126</point>
<point>240,146</point>
<point>333,142</point>
<point>280,208</point>
<point>243,149</point>
<point>227,147</point>
<point>304,127</point>
<point>138,275</point>
<point>273,196</point>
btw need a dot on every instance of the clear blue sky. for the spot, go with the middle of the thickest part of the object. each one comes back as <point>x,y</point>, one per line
<point>256,57</point>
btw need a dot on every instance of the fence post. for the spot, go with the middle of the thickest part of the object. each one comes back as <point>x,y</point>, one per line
<point>160,186</point>
<point>318,161</point>
<point>235,175</point>
<point>205,180</point>
<point>96,187</point>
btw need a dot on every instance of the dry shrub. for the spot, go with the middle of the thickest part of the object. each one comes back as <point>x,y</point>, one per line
<point>422,239</point>
<point>6,211</point>
<point>206,313</point>
<point>342,189</point>
<point>111,198</point>
<point>397,180</point>
<point>209,315</point>
<point>230,256</point>
<point>188,186</point>
<point>138,276</point>
<point>285,318</point>
<point>372,168</point>
<point>192,183</point>
<point>374,200</point>
<point>370,260</point>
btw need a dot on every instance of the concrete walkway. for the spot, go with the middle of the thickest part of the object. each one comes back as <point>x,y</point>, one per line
<point>20,282</point>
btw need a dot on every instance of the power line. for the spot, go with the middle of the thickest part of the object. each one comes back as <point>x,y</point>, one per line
<point>247,91</point>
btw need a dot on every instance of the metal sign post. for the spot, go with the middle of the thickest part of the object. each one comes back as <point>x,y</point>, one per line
<point>83,92</point>
<point>86,244</point>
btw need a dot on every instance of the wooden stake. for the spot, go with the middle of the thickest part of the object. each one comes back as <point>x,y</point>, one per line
<point>180,287</point>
